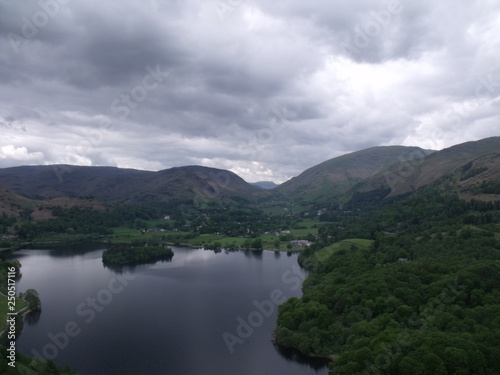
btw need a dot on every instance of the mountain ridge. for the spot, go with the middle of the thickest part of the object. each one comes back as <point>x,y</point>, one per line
<point>413,174</point>
<point>336,176</point>
<point>115,185</point>
<point>398,169</point>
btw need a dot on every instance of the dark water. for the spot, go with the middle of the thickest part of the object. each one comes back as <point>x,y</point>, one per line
<point>201,313</point>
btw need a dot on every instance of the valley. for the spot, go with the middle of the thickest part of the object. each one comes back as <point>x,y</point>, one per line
<point>401,244</point>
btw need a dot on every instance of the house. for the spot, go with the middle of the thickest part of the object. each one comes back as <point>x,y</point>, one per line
<point>300,243</point>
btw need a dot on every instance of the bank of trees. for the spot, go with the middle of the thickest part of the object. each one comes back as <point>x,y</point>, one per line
<point>229,219</point>
<point>27,365</point>
<point>86,221</point>
<point>423,299</point>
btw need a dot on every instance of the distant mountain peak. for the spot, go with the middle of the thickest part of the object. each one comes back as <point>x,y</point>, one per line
<point>264,184</point>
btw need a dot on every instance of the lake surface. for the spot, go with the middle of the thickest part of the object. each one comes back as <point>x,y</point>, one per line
<point>201,313</point>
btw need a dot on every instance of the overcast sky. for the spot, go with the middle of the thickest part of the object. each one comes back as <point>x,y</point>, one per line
<point>263,88</point>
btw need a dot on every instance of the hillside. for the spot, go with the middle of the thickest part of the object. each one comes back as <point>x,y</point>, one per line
<point>412,174</point>
<point>478,179</point>
<point>12,204</point>
<point>15,205</point>
<point>113,185</point>
<point>421,299</point>
<point>336,176</point>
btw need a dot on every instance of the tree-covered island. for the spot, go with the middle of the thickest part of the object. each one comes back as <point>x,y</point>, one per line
<point>119,254</point>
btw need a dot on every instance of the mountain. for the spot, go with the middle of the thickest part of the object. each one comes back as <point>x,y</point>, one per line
<point>336,176</point>
<point>375,173</point>
<point>413,173</point>
<point>191,183</point>
<point>478,179</point>
<point>264,184</point>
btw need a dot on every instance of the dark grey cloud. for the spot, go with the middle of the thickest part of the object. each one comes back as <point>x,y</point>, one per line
<point>265,89</point>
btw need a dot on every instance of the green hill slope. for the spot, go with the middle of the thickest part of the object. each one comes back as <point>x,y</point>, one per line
<point>334,177</point>
<point>413,173</point>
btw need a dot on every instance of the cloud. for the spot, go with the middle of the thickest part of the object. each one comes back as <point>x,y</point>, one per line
<point>20,154</point>
<point>266,89</point>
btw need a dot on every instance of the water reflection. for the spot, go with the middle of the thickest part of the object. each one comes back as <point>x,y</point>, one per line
<point>253,253</point>
<point>68,249</point>
<point>296,356</point>
<point>32,317</point>
<point>131,267</point>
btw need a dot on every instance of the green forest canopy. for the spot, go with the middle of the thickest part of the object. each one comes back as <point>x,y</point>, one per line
<point>423,298</point>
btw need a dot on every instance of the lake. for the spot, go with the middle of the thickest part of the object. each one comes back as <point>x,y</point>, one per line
<point>201,313</point>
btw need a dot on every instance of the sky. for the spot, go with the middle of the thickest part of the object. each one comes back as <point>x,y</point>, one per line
<point>263,88</point>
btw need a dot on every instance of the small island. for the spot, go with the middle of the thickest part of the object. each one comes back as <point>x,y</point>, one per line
<point>120,254</point>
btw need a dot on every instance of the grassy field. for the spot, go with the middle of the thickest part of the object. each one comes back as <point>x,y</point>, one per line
<point>325,253</point>
<point>124,234</point>
<point>20,304</point>
<point>305,227</point>
<point>204,239</point>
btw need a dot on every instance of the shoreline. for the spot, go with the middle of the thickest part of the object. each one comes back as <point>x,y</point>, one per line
<point>21,312</point>
<point>104,242</point>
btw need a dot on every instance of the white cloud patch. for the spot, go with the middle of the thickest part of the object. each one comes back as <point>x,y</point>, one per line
<point>20,154</point>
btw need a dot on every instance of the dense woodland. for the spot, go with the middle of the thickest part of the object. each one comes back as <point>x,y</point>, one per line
<point>119,254</point>
<point>422,299</point>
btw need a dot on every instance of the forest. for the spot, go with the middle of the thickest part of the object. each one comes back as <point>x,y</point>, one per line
<point>423,298</point>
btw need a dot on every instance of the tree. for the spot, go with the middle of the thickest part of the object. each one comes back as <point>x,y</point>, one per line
<point>31,296</point>
<point>257,243</point>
